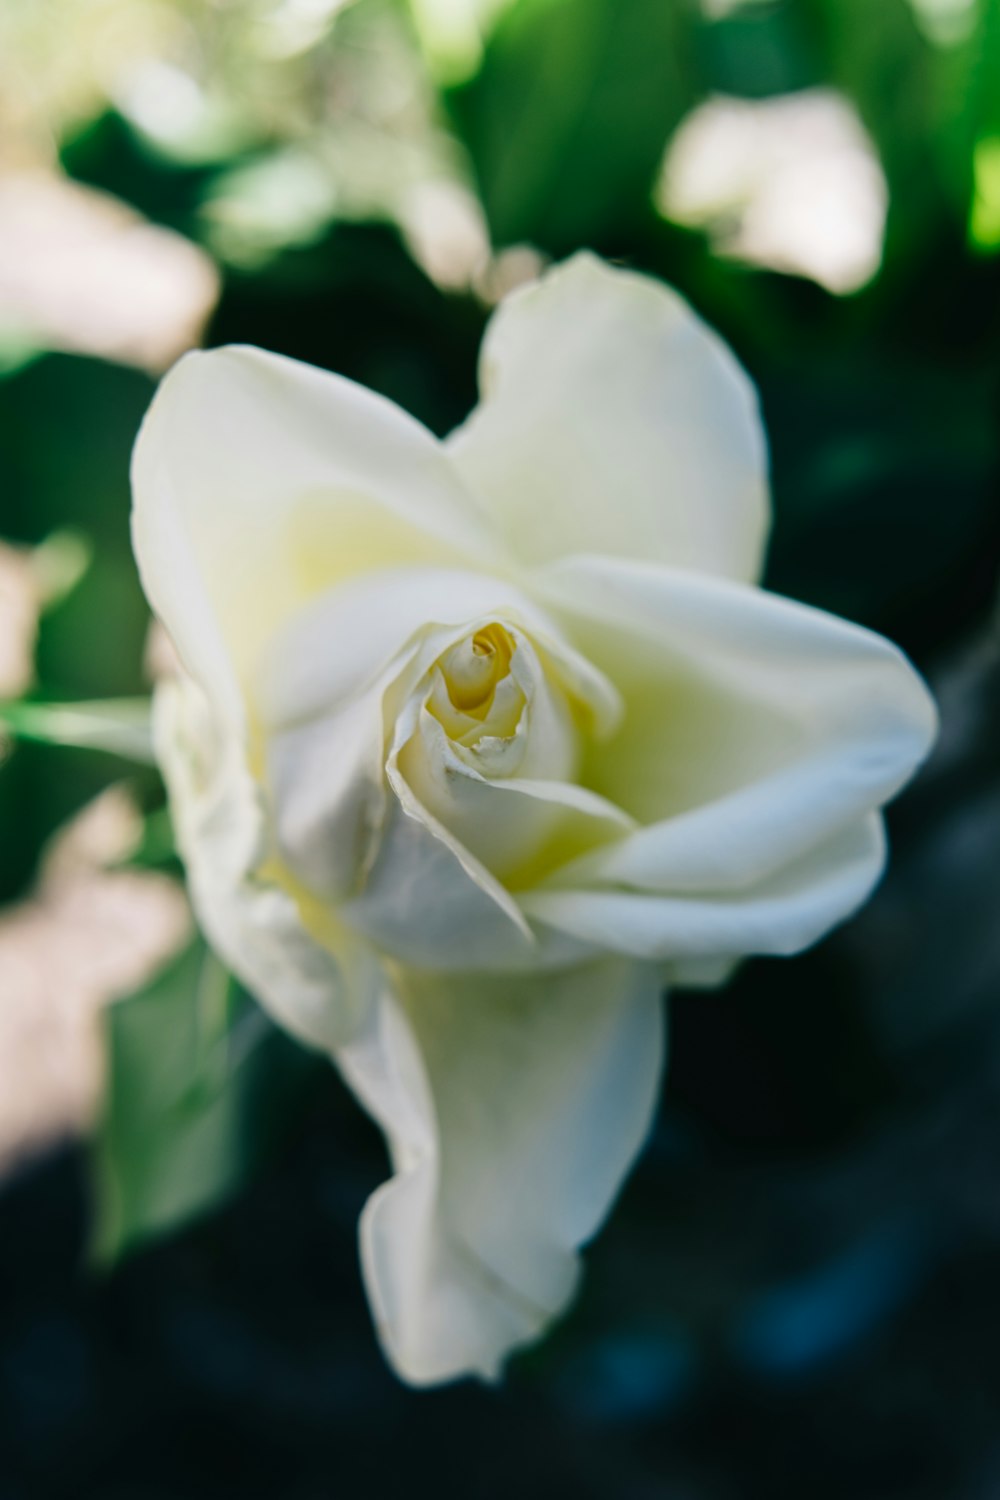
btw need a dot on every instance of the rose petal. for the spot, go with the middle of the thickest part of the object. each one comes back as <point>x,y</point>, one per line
<point>327,793</point>
<point>428,901</point>
<point>338,645</point>
<point>779,915</point>
<point>755,729</point>
<point>515,826</point>
<point>513,1108</point>
<point>259,482</point>
<point>258,926</point>
<point>613,420</point>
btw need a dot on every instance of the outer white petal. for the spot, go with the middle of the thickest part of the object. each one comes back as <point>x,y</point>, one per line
<point>513,1109</point>
<point>326,785</point>
<point>259,482</point>
<point>755,729</point>
<point>613,420</point>
<point>258,926</point>
<point>780,915</point>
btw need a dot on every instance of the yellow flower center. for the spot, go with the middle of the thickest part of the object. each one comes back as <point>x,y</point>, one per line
<point>473,668</point>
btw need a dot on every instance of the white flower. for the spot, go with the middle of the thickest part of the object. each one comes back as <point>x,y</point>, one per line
<point>481,744</point>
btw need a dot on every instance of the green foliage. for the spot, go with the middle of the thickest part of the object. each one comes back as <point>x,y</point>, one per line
<point>119,725</point>
<point>758,51</point>
<point>201,1084</point>
<point>567,118</point>
<point>67,425</point>
<point>911,95</point>
<point>984,109</point>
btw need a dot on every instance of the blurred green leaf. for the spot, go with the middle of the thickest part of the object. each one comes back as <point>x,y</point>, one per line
<point>270,203</point>
<point>757,51</point>
<point>913,96</point>
<point>568,117</point>
<point>200,1085</point>
<point>67,426</point>
<point>984,106</point>
<point>109,153</point>
<point>984,221</point>
<point>157,848</point>
<point>118,725</point>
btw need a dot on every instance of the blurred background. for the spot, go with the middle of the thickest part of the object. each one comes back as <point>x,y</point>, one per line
<point>799,1293</point>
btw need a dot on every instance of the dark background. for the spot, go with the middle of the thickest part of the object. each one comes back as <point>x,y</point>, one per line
<point>799,1291</point>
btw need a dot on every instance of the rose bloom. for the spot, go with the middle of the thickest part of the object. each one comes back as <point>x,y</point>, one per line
<point>480,745</point>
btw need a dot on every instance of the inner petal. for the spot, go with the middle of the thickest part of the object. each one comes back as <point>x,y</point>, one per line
<point>500,716</point>
<point>464,763</point>
<point>473,667</point>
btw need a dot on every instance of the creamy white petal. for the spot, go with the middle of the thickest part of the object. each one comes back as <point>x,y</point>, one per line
<point>430,901</point>
<point>338,644</point>
<point>513,1109</point>
<point>427,901</point>
<point>309,972</point>
<point>414,882</point>
<point>327,792</point>
<point>755,728</point>
<point>516,826</point>
<point>780,915</point>
<point>455,781</point>
<point>259,482</point>
<point>320,699</point>
<point>613,420</point>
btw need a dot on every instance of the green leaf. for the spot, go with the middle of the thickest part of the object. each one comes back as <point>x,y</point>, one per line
<point>756,51</point>
<point>200,1082</point>
<point>983,104</point>
<point>914,98</point>
<point>568,117</point>
<point>119,725</point>
<point>74,477</point>
<point>157,847</point>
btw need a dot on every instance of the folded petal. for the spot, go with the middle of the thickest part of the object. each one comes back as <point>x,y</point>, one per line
<point>755,729</point>
<point>525,736</point>
<point>338,644</point>
<point>311,973</point>
<point>780,915</point>
<point>319,699</point>
<point>427,901</point>
<point>758,739</point>
<point>259,482</point>
<point>515,826</point>
<point>513,1109</point>
<point>327,793</point>
<point>613,420</point>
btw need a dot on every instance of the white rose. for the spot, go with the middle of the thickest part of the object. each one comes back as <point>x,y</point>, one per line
<point>481,744</point>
